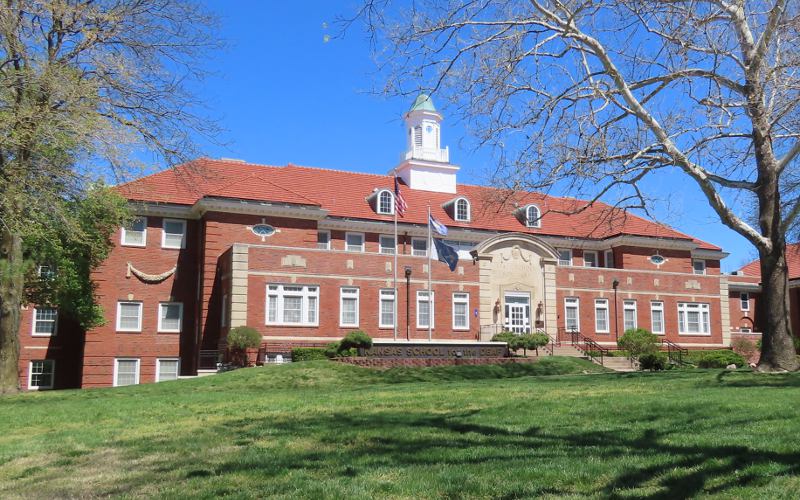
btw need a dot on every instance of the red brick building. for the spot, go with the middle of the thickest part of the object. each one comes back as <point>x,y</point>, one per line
<point>745,290</point>
<point>306,255</point>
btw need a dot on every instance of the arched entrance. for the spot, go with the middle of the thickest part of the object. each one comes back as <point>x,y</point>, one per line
<point>517,285</point>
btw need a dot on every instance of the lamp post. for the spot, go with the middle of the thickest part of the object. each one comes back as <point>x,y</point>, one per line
<point>408,302</point>
<point>615,284</point>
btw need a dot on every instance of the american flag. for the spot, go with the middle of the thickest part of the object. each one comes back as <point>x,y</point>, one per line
<point>399,202</point>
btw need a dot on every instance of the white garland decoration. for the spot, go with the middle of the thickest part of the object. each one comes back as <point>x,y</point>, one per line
<point>150,278</point>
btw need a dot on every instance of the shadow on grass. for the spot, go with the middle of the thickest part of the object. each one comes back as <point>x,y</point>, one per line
<point>502,462</point>
<point>751,379</point>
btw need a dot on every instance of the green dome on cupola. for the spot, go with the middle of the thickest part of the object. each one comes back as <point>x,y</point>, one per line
<point>423,102</point>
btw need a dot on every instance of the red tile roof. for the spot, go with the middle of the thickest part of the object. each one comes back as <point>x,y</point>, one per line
<point>792,260</point>
<point>344,194</point>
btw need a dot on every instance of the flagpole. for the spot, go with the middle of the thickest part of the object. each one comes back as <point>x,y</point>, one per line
<point>430,287</point>
<point>394,301</point>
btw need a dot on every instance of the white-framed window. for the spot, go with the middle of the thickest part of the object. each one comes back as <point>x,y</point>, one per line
<point>533,216</point>
<point>223,313</point>
<point>385,202</point>
<point>699,266</point>
<point>134,234</point>
<point>293,305</point>
<point>425,313</point>
<point>590,259</point>
<point>572,320</point>
<point>657,317</point>
<point>629,314</point>
<point>462,210</point>
<point>386,309</point>
<point>386,244</point>
<point>170,317</point>
<point>419,247</point>
<point>460,311</point>
<point>744,301</point>
<point>45,321</point>
<point>126,371</point>
<point>173,233</point>
<point>129,316</point>
<point>41,373</point>
<point>608,255</point>
<point>354,242</point>
<point>694,318</point>
<point>348,306</point>
<point>601,322</point>
<point>746,329</point>
<point>46,272</point>
<point>463,248</point>
<point>324,240</point>
<point>167,369</point>
<point>564,256</point>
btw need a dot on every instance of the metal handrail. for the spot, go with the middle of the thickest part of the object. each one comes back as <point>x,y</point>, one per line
<point>590,347</point>
<point>672,349</point>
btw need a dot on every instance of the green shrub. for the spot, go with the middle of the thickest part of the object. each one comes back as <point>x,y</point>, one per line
<point>512,339</point>
<point>308,353</point>
<point>243,337</point>
<point>638,341</point>
<point>720,359</point>
<point>654,361</point>
<point>355,340</point>
<point>534,341</point>
<point>331,350</point>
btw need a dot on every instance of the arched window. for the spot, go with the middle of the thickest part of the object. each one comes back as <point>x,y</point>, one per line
<point>385,202</point>
<point>462,210</point>
<point>533,216</point>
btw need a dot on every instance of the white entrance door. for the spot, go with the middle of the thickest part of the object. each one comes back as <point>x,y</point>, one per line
<point>518,312</point>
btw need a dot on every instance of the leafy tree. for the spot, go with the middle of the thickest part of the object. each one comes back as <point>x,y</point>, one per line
<point>600,99</point>
<point>86,88</point>
<point>638,341</point>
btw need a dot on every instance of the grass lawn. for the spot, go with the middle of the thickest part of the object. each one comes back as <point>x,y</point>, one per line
<point>324,430</point>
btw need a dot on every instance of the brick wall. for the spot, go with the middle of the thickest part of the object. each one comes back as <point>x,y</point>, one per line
<point>103,344</point>
<point>588,284</point>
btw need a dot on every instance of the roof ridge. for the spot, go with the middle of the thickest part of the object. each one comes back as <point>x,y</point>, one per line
<point>289,190</point>
<point>308,167</point>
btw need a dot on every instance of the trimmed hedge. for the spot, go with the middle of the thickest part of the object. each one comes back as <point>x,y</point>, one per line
<point>308,354</point>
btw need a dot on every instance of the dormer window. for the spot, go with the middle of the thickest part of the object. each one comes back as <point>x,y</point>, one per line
<point>385,202</point>
<point>533,216</point>
<point>462,210</point>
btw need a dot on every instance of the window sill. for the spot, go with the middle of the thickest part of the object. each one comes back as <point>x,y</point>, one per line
<point>293,325</point>
<point>132,245</point>
<point>43,335</point>
<point>128,331</point>
<point>168,331</point>
<point>172,248</point>
<point>694,334</point>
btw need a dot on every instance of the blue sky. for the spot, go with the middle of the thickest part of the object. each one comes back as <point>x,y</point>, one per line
<point>284,95</point>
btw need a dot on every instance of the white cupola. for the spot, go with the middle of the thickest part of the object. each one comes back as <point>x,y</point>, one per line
<point>425,165</point>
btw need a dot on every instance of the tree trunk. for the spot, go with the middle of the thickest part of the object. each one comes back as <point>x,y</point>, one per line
<point>11,290</point>
<point>777,346</point>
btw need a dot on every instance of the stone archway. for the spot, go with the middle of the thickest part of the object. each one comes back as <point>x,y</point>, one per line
<point>515,269</point>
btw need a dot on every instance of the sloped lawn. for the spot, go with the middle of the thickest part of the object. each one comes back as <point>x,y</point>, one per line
<point>324,430</point>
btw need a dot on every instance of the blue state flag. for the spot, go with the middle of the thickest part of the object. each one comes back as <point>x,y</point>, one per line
<point>438,226</point>
<point>447,254</point>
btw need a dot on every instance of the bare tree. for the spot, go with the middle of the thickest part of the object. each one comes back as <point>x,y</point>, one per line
<point>594,97</point>
<point>86,88</point>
